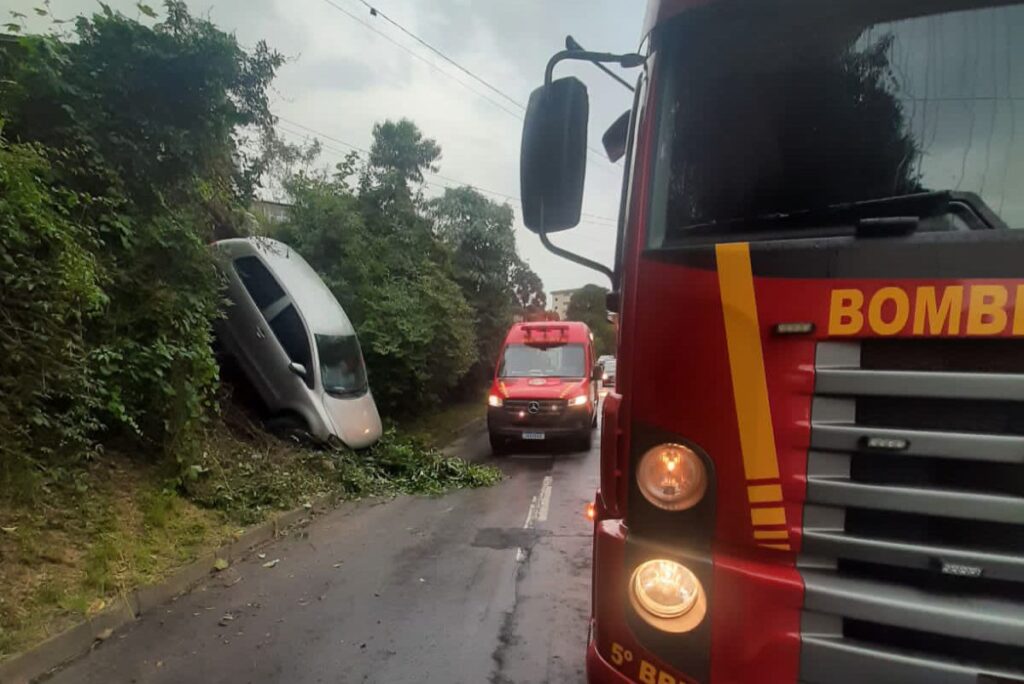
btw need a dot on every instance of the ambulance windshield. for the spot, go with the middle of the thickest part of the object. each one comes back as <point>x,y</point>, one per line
<point>525,361</point>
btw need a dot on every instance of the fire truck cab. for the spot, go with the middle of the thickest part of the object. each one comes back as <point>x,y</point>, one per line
<point>546,386</point>
<point>812,463</point>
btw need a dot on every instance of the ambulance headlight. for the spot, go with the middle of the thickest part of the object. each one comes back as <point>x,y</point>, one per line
<point>667,595</point>
<point>581,400</point>
<point>494,400</point>
<point>672,477</point>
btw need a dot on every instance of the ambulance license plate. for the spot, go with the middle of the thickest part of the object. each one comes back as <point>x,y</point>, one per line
<point>533,435</point>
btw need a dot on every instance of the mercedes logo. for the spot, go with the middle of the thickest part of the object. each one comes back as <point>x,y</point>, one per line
<point>534,407</point>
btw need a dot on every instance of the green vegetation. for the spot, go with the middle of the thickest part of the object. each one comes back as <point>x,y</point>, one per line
<point>589,306</point>
<point>441,426</point>
<point>117,173</point>
<point>431,286</point>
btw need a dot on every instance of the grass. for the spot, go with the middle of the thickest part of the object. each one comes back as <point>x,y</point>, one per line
<point>85,540</point>
<point>73,541</point>
<point>440,427</point>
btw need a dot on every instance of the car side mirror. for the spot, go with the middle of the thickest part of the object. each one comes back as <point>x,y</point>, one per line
<point>553,155</point>
<point>598,373</point>
<point>298,369</point>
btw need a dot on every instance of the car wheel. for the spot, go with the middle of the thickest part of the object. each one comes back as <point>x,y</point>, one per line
<point>499,444</point>
<point>289,426</point>
<point>585,440</point>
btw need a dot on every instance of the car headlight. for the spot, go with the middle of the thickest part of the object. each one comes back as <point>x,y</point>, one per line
<point>667,595</point>
<point>672,477</point>
<point>494,400</point>
<point>578,401</point>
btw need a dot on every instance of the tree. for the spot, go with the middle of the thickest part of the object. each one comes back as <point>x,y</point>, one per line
<point>382,260</point>
<point>140,133</point>
<point>479,234</point>
<point>528,288</point>
<point>398,158</point>
<point>588,305</point>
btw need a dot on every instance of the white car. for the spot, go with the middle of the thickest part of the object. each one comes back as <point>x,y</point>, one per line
<point>295,343</point>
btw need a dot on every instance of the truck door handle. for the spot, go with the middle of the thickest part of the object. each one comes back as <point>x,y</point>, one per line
<point>259,333</point>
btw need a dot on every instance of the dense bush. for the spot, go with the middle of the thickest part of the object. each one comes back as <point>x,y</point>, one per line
<point>124,158</point>
<point>49,291</point>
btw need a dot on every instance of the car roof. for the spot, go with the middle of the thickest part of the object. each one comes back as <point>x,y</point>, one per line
<point>315,302</point>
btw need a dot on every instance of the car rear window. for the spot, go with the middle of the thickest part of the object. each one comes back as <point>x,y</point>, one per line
<point>258,281</point>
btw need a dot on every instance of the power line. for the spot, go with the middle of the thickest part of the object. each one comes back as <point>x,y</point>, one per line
<point>594,217</point>
<point>375,12</point>
<point>421,58</point>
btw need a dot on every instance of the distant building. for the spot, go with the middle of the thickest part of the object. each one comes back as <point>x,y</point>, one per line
<point>560,302</point>
<point>272,212</point>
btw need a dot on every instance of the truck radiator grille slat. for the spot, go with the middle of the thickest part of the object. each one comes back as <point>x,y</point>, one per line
<point>914,514</point>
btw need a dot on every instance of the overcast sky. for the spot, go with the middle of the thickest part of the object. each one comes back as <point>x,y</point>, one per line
<point>341,78</point>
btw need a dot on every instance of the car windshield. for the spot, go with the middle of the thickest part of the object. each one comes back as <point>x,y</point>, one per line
<point>803,112</point>
<point>563,361</point>
<point>609,366</point>
<point>341,364</point>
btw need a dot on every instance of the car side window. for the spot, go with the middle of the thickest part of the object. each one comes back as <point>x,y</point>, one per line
<point>291,333</point>
<point>258,281</point>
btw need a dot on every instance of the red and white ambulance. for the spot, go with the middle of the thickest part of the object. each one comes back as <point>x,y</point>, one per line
<point>545,386</point>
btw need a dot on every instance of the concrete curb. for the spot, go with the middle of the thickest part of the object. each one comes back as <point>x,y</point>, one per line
<point>78,640</point>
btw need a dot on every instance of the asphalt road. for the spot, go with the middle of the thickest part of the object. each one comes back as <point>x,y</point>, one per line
<point>487,585</point>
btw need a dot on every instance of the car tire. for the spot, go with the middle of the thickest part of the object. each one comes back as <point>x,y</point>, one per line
<point>585,440</point>
<point>289,426</point>
<point>499,444</point>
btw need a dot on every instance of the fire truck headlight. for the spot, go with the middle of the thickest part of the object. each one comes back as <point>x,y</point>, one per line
<point>668,596</point>
<point>494,400</point>
<point>578,401</point>
<point>672,477</point>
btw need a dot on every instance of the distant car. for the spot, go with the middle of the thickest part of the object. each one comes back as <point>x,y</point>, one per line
<point>295,343</point>
<point>608,375</point>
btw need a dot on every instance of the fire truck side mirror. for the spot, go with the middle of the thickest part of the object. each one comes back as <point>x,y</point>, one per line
<point>614,139</point>
<point>553,160</point>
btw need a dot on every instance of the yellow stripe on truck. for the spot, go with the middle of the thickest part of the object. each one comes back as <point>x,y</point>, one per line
<point>750,390</point>
<point>746,361</point>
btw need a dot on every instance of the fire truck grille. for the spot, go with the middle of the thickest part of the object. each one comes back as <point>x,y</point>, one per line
<point>913,543</point>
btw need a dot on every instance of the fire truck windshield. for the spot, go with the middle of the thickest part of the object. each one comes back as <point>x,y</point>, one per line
<point>804,111</point>
<point>562,361</point>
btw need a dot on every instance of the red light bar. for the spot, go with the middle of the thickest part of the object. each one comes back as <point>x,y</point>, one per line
<point>546,334</point>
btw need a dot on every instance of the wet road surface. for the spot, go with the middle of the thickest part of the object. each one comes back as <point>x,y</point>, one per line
<point>486,585</point>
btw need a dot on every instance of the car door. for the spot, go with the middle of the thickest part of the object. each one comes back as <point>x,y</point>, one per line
<point>251,331</point>
<point>293,346</point>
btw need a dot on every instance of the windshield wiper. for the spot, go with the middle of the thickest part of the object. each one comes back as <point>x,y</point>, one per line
<point>887,216</point>
<point>341,393</point>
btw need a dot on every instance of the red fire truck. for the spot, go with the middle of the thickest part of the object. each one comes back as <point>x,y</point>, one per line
<point>812,465</point>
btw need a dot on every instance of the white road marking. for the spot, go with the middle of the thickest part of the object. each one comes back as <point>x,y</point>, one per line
<point>545,499</point>
<point>538,510</point>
